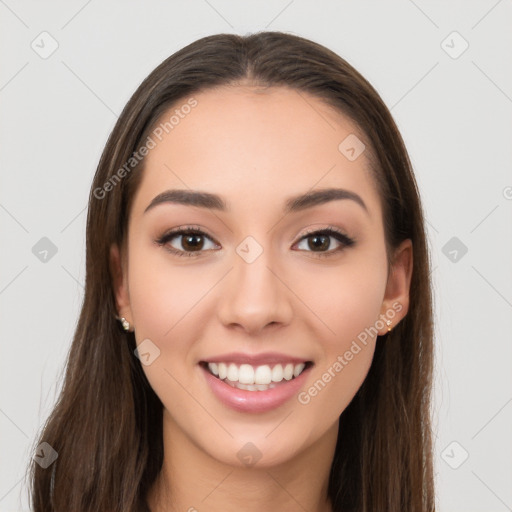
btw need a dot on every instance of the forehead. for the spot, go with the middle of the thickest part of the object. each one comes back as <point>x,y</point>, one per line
<point>262,143</point>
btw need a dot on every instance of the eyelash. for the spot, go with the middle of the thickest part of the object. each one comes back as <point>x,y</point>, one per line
<point>341,237</point>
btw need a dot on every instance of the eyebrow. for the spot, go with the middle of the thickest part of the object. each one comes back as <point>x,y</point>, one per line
<point>292,204</point>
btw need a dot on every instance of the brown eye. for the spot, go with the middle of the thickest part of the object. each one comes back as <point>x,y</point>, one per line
<point>186,242</point>
<point>192,242</point>
<point>319,242</point>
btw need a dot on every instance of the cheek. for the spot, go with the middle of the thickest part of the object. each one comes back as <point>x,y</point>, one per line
<point>348,303</point>
<point>162,295</point>
<point>346,298</point>
<point>170,305</point>
<point>164,300</point>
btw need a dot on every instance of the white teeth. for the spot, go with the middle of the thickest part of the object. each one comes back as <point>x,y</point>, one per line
<point>245,374</point>
<point>277,373</point>
<point>233,372</point>
<point>223,370</point>
<point>255,377</point>
<point>251,387</point>
<point>298,369</point>
<point>288,371</point>
<point>214,368</point>
<point>263,375</point>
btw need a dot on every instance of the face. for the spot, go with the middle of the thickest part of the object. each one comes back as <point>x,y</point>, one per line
<point>259,284</point>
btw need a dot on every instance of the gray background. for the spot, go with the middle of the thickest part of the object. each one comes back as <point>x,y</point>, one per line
<point>453,109</point>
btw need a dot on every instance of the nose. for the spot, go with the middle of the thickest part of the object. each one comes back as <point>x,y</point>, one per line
<point>255,296</point>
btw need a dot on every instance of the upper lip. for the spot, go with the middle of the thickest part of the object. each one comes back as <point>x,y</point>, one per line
<point>256,359</point>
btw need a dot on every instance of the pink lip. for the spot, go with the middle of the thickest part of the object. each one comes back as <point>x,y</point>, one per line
<point>254,401</point>
<point>255,359</point>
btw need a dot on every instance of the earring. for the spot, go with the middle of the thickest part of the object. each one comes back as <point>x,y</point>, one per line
<point>125,323</point>
<point>388,322</point>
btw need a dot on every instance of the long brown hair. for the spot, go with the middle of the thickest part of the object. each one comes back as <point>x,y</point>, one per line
<point>107,424</point>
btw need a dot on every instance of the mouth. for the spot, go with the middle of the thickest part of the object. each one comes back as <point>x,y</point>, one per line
<point>250,377</point>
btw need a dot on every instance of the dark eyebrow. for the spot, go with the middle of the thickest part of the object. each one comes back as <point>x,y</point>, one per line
<point>317,197</point>
<point>190,198</point>
<point>293,204</point>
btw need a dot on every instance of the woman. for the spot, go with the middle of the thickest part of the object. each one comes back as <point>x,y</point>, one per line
<point>256,332</point>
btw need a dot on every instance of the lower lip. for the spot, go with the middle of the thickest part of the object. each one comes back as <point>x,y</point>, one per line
<point>255,401</point>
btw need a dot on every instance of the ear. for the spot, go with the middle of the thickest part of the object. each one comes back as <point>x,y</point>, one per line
<point>119,272</point>
<point>396,298</point>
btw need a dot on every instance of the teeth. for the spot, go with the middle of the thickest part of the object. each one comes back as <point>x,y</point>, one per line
<point>245,374</point>
<point>288,371</point>
<point>223,371</point>
<point>251,387</point>
<point>277,373</point>
<point>263,375</point>
<point>297,370</point>
<point>233,372</point>
<point>248,376</point>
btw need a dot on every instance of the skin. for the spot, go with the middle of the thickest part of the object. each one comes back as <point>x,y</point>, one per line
<point>255,148</point>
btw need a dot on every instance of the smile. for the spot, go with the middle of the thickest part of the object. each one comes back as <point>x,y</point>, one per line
<point>257,387</point>
<point>255,378</point>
